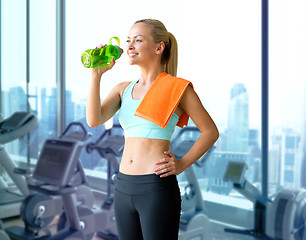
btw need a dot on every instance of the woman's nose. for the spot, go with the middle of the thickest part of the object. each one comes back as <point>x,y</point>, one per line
<point>130,45</point>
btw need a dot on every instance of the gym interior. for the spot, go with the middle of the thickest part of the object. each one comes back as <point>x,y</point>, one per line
<point>246,60</point>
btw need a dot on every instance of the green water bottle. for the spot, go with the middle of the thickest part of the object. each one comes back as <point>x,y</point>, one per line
<point>95,57</point>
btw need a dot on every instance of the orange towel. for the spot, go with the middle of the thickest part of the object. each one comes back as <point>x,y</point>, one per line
<point>161,100</point>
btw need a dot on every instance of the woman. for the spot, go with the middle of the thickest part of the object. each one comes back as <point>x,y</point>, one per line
<point>147,196</point>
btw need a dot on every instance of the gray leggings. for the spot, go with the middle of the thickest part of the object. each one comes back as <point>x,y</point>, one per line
<point>147,207</point>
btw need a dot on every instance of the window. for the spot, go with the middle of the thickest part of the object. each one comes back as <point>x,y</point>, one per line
<point>287,102</point>
<point>40,92</point>
<point>289,159</point>
<point>288,177</point>
<point>42,86</point>
<point>13,58</point>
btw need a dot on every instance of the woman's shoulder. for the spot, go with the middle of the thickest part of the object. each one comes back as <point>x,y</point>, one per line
<point>123,85</point>
<point>120,87</point>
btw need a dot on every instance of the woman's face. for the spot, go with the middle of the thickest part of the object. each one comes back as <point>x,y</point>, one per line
<point>140,48</point>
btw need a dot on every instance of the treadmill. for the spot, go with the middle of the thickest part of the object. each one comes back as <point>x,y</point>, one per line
<point>17,125</point>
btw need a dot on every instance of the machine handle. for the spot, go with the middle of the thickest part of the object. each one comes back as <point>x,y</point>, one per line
<point>92,145</point>
<point>202,160</point>
<point>200,163</point>
<point>108,132</point>
<point>185,129</point>
<point>75,124</point>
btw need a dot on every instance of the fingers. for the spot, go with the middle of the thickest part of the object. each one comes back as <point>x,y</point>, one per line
<point>109,66</point>
<point>104,68</point>
<point>112,62</point>
<point>169,155</point>
<point>166,170</point>
<point>167,165</point>
<point>100,46</point>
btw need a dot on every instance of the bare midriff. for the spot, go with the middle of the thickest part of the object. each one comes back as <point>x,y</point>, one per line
<point>140,155</point>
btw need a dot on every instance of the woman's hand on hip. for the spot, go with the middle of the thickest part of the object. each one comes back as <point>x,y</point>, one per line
<point>167,166</point>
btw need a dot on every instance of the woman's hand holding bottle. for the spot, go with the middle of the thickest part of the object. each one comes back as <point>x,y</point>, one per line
<point>98,71</point>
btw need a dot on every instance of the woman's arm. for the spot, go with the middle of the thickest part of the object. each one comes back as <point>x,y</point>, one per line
<point>191,104</point>
<point>98,113</point>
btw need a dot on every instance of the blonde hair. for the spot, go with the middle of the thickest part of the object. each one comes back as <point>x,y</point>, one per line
<point>160,34</point>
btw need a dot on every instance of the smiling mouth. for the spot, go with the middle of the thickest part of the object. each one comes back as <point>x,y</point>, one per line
<point>132,54</point>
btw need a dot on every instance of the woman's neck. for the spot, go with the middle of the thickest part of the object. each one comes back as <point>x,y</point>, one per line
<point>150,72</point>
<point>148,75</point>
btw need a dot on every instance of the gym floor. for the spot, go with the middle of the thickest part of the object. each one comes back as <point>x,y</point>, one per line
<point>217,233</point>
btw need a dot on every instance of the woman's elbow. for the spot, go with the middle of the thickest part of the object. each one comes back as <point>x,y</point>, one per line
<point>214,133</point>
<point>91,123</point>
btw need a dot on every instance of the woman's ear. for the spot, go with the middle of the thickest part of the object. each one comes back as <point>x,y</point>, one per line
<point>160,47</point>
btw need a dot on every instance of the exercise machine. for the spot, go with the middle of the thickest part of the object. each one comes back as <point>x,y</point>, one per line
<point>16,126</point>
<point>235,173</point>
<point>283,218</point>
<point>59,174</point>
<point>38,210</point>
<point>194,224</point>
<point>109,146</point>
<point>286,216</point>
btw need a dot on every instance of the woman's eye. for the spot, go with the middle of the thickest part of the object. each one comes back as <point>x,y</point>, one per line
<point>138,40</point>
<point>128,41</point>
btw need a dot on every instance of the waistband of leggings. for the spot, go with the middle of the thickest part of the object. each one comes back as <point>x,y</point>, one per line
<point>145,184</point>
<point>146,178</point>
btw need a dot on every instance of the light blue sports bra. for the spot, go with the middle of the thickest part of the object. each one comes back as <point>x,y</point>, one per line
<point>138,127</point>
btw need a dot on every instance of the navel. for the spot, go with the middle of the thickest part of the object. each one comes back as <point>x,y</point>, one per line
<point>131,161</point>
